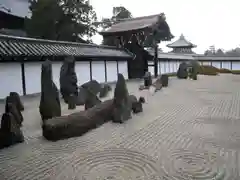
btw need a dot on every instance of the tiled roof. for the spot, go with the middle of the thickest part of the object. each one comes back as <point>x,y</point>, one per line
<point>181,42</point>
<point>19,46</point>
<point>138,23</point>
<point>17,7</point>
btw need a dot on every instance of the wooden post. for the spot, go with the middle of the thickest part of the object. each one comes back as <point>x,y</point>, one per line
<point>90,70</point>
<point>156,60</point>
<point>23,76</point>
<point>105,68</point>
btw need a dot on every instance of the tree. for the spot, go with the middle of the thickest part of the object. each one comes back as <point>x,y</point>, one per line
<point>67,20</point>
<point>119,13</point>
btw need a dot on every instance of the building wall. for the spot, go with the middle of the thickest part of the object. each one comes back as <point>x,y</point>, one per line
<point>11,76</point>
<point>10,79</point>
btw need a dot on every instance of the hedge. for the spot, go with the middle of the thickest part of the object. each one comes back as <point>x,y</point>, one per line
<point>211,70</point>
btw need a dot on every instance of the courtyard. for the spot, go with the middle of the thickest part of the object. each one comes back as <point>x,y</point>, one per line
<point>190,130</point>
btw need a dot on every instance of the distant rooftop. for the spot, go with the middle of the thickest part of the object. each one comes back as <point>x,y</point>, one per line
<point>16,7</point>
<point>139,23</point>
<point>181,43</point>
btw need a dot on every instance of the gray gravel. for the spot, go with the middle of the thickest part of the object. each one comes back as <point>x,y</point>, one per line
<point>188,131</point>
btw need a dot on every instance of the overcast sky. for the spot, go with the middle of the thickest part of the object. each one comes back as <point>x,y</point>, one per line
<point>203,22</point>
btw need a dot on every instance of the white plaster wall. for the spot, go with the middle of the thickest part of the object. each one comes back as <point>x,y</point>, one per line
<point>33,77</point>
<point>56,66</point>
<point>226,65</point>
<point>83,72</point>
<point>111,71</point>
<point>206,63</point>
<point>123,69</point>
<point>235,65</point>
<point>216,64</point>
<point>98,71</point>
<point>10,79</point>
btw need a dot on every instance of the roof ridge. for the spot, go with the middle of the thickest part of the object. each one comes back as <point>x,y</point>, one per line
<point>8,37</point>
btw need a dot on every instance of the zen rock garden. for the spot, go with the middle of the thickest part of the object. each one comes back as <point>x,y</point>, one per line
<point>149,126</point>
<point>56,126</point>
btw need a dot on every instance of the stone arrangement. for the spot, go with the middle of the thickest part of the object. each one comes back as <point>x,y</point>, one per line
<point>49,103</point>
<point>79,123</point>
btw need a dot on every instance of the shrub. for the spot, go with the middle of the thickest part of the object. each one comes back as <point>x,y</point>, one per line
<point>208,70</point>
<point>223,70</point>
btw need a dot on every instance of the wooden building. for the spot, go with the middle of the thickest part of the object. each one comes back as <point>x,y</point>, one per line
<point>182,46</point>
<point>21,59</point>
<point>131,34</point>
<point>12,14</point>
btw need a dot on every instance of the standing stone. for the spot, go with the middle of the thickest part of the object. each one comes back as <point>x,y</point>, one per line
<point>164,80</point>
<point>182,72</point>
<point>14,110</point>
<point>147,79</point>
<point>16,98</point>
<point>68,80</point>
<point>50,103</point>
<point>10,128</point>
<point>122,104</point>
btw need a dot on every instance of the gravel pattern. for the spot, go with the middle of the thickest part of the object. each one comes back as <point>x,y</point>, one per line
<point>188,131</point>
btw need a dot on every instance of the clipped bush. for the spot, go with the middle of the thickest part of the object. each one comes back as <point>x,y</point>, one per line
<point>223,70</point>
<point>208,70</point>
<point>235,71</point>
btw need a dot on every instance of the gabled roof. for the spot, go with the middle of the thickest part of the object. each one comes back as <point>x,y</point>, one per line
<point>181,42</point>
<point>19,46</point>
<point>17,8</point>
<point>135,24</point>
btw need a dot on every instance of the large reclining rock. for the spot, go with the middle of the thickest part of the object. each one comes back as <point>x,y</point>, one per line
<point>122,103</point>
<point>10,132</point>
<point>50,103</point>
<point>78,123</point>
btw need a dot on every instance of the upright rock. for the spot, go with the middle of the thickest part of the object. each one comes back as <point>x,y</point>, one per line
<point>182,72</point>
<point>10,133</point>
<point>122,104</point>
<point>164,80</point>
<point>50,103</point>
<point>16,98</point>
<point>14,109</point>
<point>68,81</point>
<point>147,79</point>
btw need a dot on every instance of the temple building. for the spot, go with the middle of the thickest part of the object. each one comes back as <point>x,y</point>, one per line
<point>12,15</point>
<point>182,46</point>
